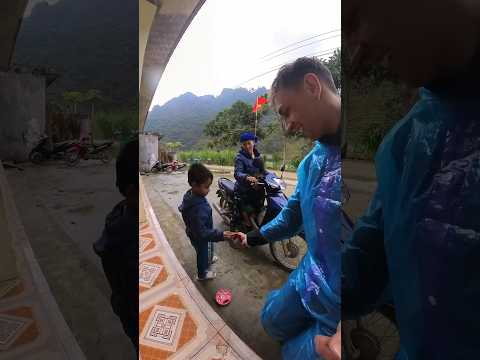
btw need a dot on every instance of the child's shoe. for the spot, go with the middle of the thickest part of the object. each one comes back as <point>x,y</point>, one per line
<point>209,275</point>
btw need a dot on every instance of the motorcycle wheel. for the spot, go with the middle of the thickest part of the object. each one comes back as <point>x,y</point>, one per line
<point>72,158</point>
<point>36,157</point>
<point>371,337</point>
<point>288,253</point>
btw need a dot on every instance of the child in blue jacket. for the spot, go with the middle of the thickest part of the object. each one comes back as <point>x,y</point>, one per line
<point>197,215</point>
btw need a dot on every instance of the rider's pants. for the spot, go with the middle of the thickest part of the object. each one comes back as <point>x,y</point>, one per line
<point>285,319</point>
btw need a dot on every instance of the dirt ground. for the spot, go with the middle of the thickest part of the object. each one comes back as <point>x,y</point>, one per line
<point>63,211</point>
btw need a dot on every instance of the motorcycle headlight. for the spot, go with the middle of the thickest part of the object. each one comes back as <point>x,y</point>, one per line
<point>281,183</point>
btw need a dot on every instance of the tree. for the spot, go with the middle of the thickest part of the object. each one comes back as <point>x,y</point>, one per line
<point>73,98</point>
<point>174,146</point>
<point>334,65</point>
<point>225,129</point>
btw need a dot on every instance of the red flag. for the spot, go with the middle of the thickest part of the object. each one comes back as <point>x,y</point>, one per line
<point>258,104</point>
<point>261,100</point>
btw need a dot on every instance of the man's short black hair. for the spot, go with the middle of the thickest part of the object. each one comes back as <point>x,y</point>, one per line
<point>292,74</point>
<point>127,166</point>
<point>199,174</point>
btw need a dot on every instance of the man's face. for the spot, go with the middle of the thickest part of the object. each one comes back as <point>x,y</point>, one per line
<point>420,40</point>
<point>248,146</point>
<point>300,111</point>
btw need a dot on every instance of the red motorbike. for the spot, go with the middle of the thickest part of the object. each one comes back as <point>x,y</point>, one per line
<point>86,151</point>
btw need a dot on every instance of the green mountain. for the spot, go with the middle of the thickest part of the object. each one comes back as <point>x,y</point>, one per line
<point>184,117</point>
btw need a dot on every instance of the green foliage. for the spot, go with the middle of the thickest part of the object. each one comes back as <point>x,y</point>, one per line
<point>335,67</point>
<point>174,146</point>
<point>225,129</point>
<point>224,157</point>
<point>120,124</point>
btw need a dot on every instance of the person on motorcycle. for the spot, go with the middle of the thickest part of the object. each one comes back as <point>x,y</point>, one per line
<point>248,166</point>
<point>419,240</point>
<point>305,97</point>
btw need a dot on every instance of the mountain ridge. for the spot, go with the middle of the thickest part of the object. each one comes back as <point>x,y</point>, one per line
<point>184,117</point>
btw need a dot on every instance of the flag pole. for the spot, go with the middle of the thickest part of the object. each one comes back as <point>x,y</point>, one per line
<point>256,109</point>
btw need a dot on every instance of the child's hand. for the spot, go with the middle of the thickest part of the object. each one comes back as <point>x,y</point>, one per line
<point>243,238</point>
<point>236,236</point>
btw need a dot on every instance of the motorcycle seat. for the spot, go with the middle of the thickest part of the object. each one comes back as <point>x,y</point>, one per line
<point>228,185</point>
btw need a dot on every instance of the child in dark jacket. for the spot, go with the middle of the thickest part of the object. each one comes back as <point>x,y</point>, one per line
<point>118,245</point>
<point>197,215</point>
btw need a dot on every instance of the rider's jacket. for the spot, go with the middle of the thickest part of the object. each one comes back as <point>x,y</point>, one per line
<point>246,166</point>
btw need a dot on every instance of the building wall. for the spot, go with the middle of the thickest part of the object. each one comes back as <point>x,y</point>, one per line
<point>148,151</point>
<point>22,115</point>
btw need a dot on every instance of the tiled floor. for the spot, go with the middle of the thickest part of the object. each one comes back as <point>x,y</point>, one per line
<point>31,325</point>
<point>175,320</point>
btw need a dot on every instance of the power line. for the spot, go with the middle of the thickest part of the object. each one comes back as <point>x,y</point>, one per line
<point>298,42</point>
<point>327,52</point>
<point>299,47</point>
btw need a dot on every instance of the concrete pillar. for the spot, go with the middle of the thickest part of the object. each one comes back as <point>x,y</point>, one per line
<point>22,115</point>
<point>148,151</point>
<point>8,265</point>
<point>142,218</point>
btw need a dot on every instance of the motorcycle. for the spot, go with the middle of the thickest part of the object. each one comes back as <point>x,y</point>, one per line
<point>85,151</point>
<point>167,167</point>
<point>43,152</point>
<point>287,253</point>
<point>373,336</point>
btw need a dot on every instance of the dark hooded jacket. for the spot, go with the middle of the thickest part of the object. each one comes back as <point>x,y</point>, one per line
<point>118,250</point>
<point>246,166</point>
<point>197,215</point>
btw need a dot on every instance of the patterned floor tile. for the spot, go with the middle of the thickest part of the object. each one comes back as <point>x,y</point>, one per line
<point>11,288</point>
<point>151,273</point>
<point>17,327</point>
<point>177,318</point>
<point>217,349</point>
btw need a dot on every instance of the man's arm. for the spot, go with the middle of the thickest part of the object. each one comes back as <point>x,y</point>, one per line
<point>364,265</point>
<point>239,173</point>
<point>288,222</point>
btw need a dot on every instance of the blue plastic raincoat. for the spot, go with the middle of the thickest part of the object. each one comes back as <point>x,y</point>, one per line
<point>309,303</point>
<point>420,237</point>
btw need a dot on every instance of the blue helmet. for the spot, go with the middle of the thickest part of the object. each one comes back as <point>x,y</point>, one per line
<point>247,136</point>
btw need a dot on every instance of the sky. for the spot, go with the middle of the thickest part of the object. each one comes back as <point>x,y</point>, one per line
<point>229,42</point>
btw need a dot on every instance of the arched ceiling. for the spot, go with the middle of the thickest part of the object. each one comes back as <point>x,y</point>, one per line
<point>168,21</point>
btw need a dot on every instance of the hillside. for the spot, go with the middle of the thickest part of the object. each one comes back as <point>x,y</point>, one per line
<point>183,118</point>
<point>92,45</point>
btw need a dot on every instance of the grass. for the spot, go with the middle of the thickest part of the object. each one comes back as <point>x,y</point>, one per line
<point>227,158</point>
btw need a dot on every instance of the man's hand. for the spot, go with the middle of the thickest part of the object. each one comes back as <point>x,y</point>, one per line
<point>330,347</point>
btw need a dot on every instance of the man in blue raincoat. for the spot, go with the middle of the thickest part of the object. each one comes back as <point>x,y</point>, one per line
<point>305,96</point>
<point>419,240</point>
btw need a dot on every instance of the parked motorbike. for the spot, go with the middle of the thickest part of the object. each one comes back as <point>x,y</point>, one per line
<point>167,167</point>
<point>87,151</point>
<point>43,152</point>
<point>373,336</point>
<point>287,253</point>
